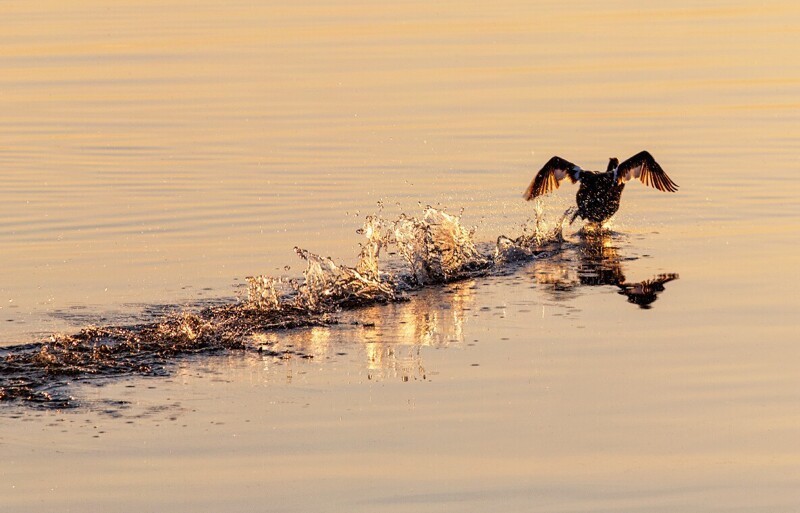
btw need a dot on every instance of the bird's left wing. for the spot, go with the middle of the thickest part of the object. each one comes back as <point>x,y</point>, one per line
<point>644,167</point>
<point>549,177</point>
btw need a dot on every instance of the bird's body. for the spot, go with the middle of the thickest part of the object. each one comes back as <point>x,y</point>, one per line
<point>598,196</point>
<point>599,192</point>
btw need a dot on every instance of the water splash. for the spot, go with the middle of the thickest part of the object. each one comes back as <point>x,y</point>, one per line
<point>326,285</point>
<point>433,248</point>
<point>264,292</point>
<point>539,237</point>
<point>437,247</point>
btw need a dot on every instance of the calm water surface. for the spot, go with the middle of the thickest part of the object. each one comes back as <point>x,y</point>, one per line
<point>157,153</point>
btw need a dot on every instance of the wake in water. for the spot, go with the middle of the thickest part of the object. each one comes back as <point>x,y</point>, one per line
<point>434,248</point>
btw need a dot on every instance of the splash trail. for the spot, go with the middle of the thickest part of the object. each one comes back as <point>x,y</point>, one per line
<point>433,248</point>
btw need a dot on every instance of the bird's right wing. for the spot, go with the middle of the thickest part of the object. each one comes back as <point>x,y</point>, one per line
<point>550,176</point>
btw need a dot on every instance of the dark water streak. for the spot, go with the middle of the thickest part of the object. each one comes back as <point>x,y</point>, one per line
<point>41,373</point>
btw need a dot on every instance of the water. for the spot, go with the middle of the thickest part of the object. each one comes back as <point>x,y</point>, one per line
<point>154,156</point>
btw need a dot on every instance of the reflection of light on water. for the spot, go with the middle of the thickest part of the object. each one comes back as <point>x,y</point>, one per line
<point>387,340</point>
<point>318,342</point>
<point>374,355</point>
<point>389,361</point>
<point>558,272</point>
<point>437,320</point>
<point>431,319</point>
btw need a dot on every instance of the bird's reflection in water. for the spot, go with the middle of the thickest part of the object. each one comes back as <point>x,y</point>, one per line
<point>595,260</point>
<point>386,338</point>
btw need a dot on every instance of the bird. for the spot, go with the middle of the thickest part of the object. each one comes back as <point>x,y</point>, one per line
<point>599,192</point>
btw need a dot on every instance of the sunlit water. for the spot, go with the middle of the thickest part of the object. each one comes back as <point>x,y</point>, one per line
<point>155,155</point>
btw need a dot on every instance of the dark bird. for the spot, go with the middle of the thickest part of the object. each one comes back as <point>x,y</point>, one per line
<point>599,192</point>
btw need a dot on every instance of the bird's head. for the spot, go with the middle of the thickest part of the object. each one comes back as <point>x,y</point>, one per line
<point>613,162</point>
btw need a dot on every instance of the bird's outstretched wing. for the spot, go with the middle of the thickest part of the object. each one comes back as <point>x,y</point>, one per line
<point>549,177</point>
<point>644,167</point>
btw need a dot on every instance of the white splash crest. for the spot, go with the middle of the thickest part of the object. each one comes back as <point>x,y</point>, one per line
<point>437,247</point>
<point>538,237</point>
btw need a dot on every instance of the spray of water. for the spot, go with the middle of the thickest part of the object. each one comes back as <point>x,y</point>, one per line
<point>433,248</point>
<point>437,247</point>
<point>539,237</point>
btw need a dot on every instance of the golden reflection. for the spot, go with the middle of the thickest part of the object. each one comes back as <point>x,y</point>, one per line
<point>596,261</point>
<point>433,318</point>
<point>387,339</point>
